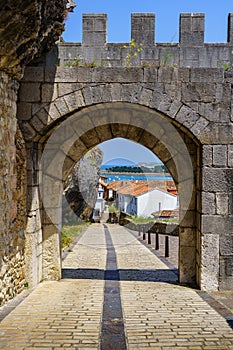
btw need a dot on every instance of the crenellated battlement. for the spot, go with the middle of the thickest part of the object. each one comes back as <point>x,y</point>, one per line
<point>191,51</point>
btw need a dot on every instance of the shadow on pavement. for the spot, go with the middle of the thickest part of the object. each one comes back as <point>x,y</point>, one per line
<point>230,322</point>
<point>162,275</point>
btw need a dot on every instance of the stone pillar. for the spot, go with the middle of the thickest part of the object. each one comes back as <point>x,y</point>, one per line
<point>52,225</point>
<point>192,28</point>
<point>94,38</point>
<point>94,29</point>
<point>33,247</point>
<point>51,188</point>
<point>217,218</point>
<point>230,29</point>
<point>143,28</point>
<point>187,238</point>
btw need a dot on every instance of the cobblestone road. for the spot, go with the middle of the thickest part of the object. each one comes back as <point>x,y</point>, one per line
<point>157,313</point>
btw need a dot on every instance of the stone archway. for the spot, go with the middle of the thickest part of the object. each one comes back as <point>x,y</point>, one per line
<point>86,128</point>
<point>205,121</point>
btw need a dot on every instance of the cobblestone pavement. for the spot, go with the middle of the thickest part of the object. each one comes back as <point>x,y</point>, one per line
<point>157,313</point>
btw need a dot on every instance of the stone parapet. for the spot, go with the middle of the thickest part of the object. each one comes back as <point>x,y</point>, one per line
<point>191,51</point>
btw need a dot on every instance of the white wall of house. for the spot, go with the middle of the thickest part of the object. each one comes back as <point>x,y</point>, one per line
<point>147,203</point>
<point>124,203</point>
<point>155,200</point>
<point>99,205</point>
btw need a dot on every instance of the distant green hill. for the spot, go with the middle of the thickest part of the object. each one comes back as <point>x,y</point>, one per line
<point>137,169</point>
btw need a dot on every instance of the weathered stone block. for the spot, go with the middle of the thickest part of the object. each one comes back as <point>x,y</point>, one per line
<point>217,179</point>
<point>148,140</point>
<point>217,224</point>
<point>167,74</point>
<point>29,92</point>
<point>230,156</point>
<point>90,139</point>
<point>145,97</point>
<point>116,91</point>
<point>220,156</point>
<point>209,261</point>
<point>183,113</point>
<point>187,237</point>
<point>24,111</point>
<point>34,74</point>
<point>208,203</point>
<point>150,74</point>
<point>222,203</point>
<point>226,273</point>
<point>48,92</point>
<point>187,272</point>
<point>217,133</point>
<point>122,75</point>
<point>226,245</point>
<point>66,88</point>
<point>211,75</point>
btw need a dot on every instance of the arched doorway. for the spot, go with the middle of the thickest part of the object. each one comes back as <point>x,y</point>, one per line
<point>63,145</point>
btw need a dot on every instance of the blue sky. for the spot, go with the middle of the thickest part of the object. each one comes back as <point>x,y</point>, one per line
<point>167,17</point>
<point>128,150</point>
<point>167,30</point>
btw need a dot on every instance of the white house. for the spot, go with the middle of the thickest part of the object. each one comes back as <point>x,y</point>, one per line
<point>141,200</point>
<point>99,204</point>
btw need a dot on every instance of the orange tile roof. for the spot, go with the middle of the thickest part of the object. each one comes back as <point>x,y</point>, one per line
<point>167,213</point>
<point>136,188</point>
<point>115,185</point>
<point>104,184</point>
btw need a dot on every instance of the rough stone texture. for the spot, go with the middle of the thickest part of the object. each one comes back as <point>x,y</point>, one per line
<point>12,194</point>
<point>27,29</point>
<point>82,185</point>
<point>138,123</point>
<point>195,100</point>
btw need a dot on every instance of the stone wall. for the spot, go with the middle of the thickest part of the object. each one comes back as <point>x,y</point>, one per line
<point>12,194</point>
<point>113,101</point>
<point>27,29</point>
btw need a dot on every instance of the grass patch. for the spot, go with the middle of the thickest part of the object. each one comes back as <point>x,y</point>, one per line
<point>69,233</point>
<point>141,220</point>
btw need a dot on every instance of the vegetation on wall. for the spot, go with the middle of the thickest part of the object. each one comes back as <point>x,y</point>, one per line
<point>138,169</point>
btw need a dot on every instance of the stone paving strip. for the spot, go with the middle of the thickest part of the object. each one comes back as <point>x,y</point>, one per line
<point>158,313</point>
<point>65,314</point>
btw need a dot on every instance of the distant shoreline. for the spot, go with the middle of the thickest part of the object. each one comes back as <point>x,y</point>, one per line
<point>105,172</point>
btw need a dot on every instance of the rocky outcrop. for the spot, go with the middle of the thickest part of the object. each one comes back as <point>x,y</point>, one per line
<point>82,187</point>
<point>29,28</point>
